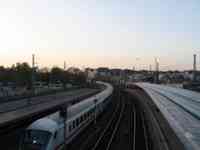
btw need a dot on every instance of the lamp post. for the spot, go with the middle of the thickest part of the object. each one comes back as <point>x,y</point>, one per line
<point>194,67</point>
<point>150,68</point>
<point>156,70</point>
<point>31,84</point>
<point>33,74</point>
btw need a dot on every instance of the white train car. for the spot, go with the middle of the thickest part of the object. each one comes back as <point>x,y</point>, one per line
<point>48,133</point>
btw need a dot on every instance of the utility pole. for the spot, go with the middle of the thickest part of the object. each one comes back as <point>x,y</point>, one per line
<point>64,79</point>
<point>150,68</point>
<point>33,74</point>
<point>156,70</point>
<point>64,65</point>
<point>194,67</point>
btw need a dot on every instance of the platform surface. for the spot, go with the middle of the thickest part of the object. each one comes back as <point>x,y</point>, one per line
<point>181,108</point>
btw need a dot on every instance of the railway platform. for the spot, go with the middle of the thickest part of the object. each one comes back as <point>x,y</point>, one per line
<point>180,109</point>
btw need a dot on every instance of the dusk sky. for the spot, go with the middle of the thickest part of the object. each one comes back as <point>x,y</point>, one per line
<point>112,33</point>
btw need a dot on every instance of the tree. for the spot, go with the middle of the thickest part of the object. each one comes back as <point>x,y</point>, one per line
<point>3,75</point>
<point>44,75</point>
<point>81,78</point>
<point>23,74</point>
<point>78,78</point>
<point>56,74</point>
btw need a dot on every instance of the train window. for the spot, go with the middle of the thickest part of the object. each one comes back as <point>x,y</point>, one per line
<point>55,135</point>
<point>87,114</point>
<point>70,128</point>
<point>82,118</point>
<point>77,123</point>
<point>79,120</point>
<point>74,124</point>
<point>35,139</point>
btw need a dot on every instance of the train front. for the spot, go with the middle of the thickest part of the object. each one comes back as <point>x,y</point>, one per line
<point>39,135</point>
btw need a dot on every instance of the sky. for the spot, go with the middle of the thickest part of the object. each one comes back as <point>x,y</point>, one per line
<point>94,33</point>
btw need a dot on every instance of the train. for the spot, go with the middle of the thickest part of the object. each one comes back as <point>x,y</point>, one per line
<point>48,133</point>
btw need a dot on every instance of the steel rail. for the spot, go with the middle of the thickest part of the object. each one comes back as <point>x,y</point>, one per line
<point>116,127</point>
<point>134,129</point>
<point>83,145</point>
<point>145,133</point>
<point>131,129</point>
<point>107,127</point>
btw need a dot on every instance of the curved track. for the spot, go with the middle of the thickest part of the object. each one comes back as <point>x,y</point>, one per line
<point>125,133</point>
<point>106,138</point>
<point>123,128</point>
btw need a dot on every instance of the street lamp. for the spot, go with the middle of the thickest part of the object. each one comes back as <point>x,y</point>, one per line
<point>33,74</point>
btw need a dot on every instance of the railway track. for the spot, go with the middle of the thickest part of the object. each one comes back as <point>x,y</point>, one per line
<point>106,138</point>
<point>124,129</point>
<point>125,134</point>
<point>127,129</point>
<point>89,136</point>
<point>121,130</point>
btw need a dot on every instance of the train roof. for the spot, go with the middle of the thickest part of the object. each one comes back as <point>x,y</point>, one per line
<point>51,122</point>
<point>89,102</point>
<point>44,124</point>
